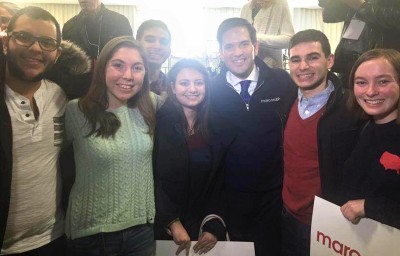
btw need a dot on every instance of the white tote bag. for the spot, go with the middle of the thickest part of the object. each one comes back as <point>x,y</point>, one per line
<point>222,248</point>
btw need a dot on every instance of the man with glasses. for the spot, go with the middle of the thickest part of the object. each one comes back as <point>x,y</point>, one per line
<point>31,135</point>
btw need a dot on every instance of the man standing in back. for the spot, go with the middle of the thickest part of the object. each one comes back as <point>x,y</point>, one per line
<point>91,29</point>
<point>247,93</point>
<point>31,135</point>
<point>155,38</point>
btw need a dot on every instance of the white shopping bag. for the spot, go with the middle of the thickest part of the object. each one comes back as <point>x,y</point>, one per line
<point>222,248</point>
<point>333,235</point>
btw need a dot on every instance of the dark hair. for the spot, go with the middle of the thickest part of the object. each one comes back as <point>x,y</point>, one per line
<point>392,56</point>
<point>236,22</point>
<point>201,122</point>
<point>9,7</point>
<point>95,103</point>
<point>151,24</point>
<point>35,13</point>
<point>311,35</point>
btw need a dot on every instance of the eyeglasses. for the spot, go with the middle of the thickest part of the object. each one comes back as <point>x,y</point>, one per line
<point>26,39</point>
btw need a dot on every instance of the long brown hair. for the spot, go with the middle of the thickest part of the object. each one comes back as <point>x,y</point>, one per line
<point>201,122</point>
<point>95,103</point>
<point>392,56</point>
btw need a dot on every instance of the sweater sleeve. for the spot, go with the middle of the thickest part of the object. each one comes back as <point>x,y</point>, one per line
<point>215,203</point>
<point>384,210</point>
<point>168,177</point>
<point>69,120</point>
<point>75,121</point>
<point>245,12</point>
<point>222,136</point>
<point>286,31</point>
<point>216,228</point>
<point>166,210</point>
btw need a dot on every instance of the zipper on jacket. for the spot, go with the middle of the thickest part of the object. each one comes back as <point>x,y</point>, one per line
<point>232,88</point>
<point>247,104</point>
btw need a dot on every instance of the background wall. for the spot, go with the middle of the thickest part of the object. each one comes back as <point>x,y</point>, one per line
<point>193,23</point>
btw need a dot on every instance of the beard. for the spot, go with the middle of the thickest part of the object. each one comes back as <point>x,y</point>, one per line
<point>18,72</point>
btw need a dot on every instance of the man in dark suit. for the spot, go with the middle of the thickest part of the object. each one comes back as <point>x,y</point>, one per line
<point>248,93</point>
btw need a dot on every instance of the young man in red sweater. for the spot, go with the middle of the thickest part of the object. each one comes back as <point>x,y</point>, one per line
<point>315,124</point>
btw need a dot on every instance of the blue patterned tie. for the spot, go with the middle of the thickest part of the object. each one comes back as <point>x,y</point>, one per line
<point>244,93</point>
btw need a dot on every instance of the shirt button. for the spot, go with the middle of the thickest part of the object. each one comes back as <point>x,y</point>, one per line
<point>27,115</point>
<point>307,112</point>
<point>22,102</point>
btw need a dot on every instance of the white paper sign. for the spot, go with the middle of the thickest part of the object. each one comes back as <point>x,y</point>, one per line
<point>354,29</point>
<point>168,248</point>
<point>332,234</point>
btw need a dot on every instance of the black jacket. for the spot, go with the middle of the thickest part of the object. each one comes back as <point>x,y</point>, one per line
<point>73,61</point>
<point>372,173</point>
<point>254,175</point>
<point>5,165</point>
<point>254,160</point>
<point>107,23</point>
<point>337,134</point>
<point>103,27</point>
<point>172,176</point>
<point>382,30</point>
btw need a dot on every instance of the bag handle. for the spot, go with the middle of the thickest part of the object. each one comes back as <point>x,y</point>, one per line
<point>210,217</point>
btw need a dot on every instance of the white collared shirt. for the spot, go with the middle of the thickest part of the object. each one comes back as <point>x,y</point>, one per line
<point>235,81</point>
<point>308,107</point>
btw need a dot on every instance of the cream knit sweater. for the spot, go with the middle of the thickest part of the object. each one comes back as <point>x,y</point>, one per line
<point>113,188</point>
<point>274,29</point>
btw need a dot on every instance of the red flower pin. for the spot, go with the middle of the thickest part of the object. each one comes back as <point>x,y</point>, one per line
<point>390,162</point>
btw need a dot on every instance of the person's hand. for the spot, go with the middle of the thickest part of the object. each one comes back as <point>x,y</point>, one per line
<point>180,236</point>
<point>205,243</point>
<point>355,4</point>
<point>353,210</point>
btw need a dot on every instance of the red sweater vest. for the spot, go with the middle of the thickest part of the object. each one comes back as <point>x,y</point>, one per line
<point>301,168</point>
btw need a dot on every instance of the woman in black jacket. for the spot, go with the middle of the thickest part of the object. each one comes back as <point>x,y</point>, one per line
<point>372,173</point>
<point>190,144</point>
